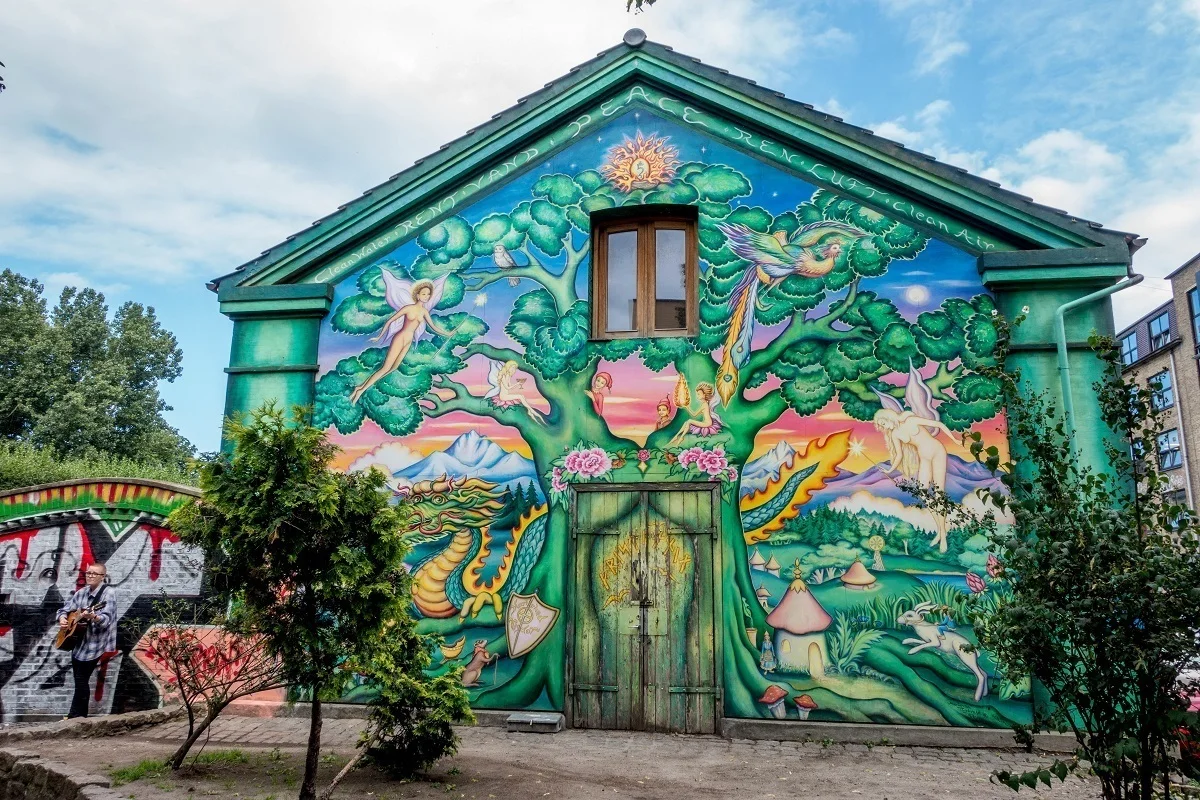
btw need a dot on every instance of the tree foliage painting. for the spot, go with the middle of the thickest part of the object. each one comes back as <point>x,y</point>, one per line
<point>838,354</point>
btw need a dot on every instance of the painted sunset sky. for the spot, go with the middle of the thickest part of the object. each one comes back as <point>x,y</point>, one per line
<point>940,271</point>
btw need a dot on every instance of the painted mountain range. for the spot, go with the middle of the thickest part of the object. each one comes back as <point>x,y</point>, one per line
<point>962,478</point>
<point>472,454</point>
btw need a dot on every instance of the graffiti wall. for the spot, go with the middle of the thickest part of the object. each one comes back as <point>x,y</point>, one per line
<point>48,538</point>
<point>836,357</point>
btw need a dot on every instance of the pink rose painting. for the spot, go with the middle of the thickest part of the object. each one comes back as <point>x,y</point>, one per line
<point>590,463</point>
<point>690,456</point>
<point>557,483</point>
<point>643,456</point>
<point>712,462</point>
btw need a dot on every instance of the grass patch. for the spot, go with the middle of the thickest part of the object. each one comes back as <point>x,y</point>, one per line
<point>143,769</point>
<point>221,757</point>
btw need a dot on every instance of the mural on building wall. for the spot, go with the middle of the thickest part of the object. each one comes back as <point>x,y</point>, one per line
<point>48,538</point>
<point>836,357</point>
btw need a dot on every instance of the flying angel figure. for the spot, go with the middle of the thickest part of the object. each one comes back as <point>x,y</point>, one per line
<point>811,251</point>
<point>504,260</point>
<point>412,301</point>
<point>505,391</point>
<point>911,437</point>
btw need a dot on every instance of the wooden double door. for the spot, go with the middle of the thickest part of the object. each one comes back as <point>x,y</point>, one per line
<point>644,641</point>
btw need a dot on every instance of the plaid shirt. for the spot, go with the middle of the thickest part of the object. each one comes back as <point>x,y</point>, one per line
<point>102,633</point>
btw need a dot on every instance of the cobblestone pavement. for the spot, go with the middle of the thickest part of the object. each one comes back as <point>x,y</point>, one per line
<point>588,765</point>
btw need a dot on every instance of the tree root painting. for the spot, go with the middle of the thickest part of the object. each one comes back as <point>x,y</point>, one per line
<point>836,358</point>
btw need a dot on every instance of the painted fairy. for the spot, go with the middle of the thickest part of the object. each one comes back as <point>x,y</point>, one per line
<point>911,438</point>
<point>601,384</point>
<point>705,422</point>
<point>506,388</point>
<point>412,301</point>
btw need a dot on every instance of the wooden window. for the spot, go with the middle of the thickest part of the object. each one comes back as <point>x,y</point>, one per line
<point>645,277</point>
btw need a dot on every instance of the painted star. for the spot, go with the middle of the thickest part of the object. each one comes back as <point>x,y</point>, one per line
<point>857,447</point>
<point>481,299</point>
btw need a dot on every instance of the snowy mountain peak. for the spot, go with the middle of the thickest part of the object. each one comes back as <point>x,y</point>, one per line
<point>473,449</point>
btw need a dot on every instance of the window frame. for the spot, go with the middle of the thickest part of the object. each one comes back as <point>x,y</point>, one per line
<point>1131,352</point>
<point>1157,341</point>
<point>646,220</point>
<point>1193,296</point>
<point>1173,451</point>
<point>1163,393</point>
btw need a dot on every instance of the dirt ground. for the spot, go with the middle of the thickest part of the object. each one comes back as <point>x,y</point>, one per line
<point>588,765</point>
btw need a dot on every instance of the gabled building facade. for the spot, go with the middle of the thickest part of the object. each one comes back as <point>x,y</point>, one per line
<point>649,354</point>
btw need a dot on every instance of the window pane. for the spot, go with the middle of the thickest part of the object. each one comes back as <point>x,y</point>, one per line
<point>670,280</point>
<point>622,281</point>
<point>1160,331</point>
<point>1194,305</point>
<point>1129,349</point>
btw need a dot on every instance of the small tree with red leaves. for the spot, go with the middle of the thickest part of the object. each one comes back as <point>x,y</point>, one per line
<point>207,667</point>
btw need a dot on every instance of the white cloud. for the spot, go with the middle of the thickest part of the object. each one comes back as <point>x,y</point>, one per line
<point>924,131</point>
<point>172,145</point>
<point>391,458</point>
<point>55,282</point>
<point>1063,169</point>
<point>935,27</point>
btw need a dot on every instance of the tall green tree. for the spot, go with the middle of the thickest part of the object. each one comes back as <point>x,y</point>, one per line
<point>313,562</point>
<point>77,380</point>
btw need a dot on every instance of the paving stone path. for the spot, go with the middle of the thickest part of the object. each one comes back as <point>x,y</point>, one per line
<point>588,765</point>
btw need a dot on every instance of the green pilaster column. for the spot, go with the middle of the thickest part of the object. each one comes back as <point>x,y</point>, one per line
<point>1043,280</point>
<point>275,334</point>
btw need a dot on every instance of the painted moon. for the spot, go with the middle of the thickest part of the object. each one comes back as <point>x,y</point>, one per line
<point>916,295</point>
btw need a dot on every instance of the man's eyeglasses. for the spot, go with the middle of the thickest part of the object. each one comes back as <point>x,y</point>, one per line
<point>91,574</point>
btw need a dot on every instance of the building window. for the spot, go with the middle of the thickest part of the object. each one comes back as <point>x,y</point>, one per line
<point>1162,394</point>
<point>1129,349</point>
<point>1169,456</point>
<point>1160,331</point>
<point>1194,305</point>
<point>645,276</point>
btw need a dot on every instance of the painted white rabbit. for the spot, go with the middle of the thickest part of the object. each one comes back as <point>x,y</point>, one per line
<point>949,642</point>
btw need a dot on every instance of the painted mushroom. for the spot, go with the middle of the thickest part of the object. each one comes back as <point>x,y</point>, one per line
<point>775,699</point>
<point>800,622</point>
<point>773,567</point>
<point>757,562</point>
<point>763,596</point>
<point>858,577</point>
<point>805,704</point>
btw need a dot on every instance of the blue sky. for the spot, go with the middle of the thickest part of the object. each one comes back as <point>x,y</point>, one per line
<point>149,146</point>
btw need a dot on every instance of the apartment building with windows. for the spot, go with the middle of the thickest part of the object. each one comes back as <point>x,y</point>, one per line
<point>1160,350</point>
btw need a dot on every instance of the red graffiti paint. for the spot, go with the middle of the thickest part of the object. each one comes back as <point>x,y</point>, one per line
<point>157,537</point>
<point>23,538</point>
<point>86,559</point>
<point>103,671</point>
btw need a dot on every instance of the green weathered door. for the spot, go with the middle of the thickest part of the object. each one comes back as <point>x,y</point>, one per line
<point>644,618</point>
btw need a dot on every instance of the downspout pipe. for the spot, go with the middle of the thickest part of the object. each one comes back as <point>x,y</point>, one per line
<point>1064,365</point>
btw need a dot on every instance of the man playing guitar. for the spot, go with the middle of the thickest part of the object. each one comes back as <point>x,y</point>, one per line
<point>101,635</point>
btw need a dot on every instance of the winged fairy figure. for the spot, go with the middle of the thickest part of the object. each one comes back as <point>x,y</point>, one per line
<point>911,436</point>
<point>810,251</point>
<point>411,301</point>
<point>505,389</point>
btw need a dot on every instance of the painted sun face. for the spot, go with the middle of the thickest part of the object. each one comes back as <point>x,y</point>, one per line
<point>641,163</point>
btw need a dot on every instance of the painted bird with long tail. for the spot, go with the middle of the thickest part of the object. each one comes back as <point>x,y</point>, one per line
<point>811,251</point>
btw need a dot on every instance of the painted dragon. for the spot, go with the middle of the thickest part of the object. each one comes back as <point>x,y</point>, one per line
<point>457,578</point>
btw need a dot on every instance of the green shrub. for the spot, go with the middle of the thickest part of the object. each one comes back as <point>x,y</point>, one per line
<point>22,464</point>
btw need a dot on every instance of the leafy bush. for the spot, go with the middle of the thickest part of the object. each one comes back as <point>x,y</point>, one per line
<point>22,464</point>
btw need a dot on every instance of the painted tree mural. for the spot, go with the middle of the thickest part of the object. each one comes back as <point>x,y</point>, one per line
<point>824,337</point>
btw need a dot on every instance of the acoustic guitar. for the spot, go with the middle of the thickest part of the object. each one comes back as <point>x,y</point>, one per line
<point>73,633</point>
